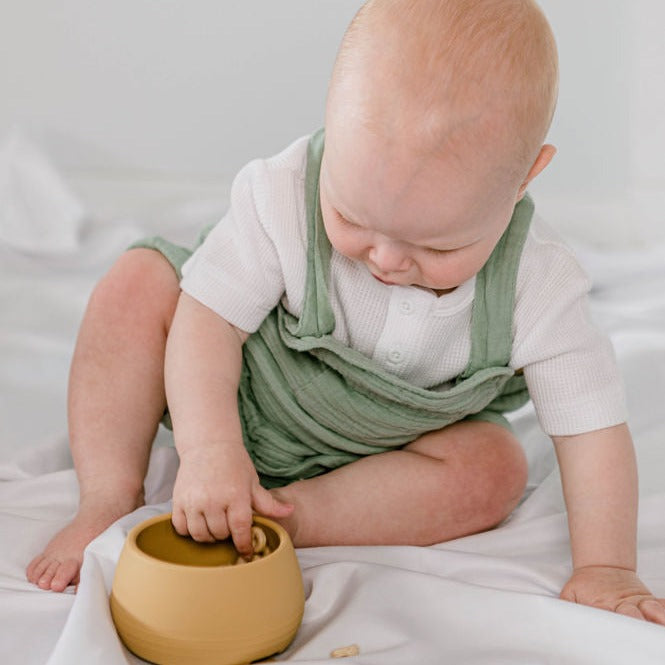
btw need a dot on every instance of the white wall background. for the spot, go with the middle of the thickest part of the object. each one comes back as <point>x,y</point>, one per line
<point>193,89</point>
<point>607,183</point>
<point>190,87</point>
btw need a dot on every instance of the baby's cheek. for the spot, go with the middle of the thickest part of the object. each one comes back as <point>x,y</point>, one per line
<point>346,246</point>
<point>445,275</point>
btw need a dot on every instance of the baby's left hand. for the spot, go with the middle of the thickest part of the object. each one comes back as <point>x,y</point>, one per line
<point>614,589</point>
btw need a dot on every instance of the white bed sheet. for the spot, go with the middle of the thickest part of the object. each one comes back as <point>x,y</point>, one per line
<point>489,598</point>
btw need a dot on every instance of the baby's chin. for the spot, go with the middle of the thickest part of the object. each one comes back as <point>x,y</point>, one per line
<point>437,292</point>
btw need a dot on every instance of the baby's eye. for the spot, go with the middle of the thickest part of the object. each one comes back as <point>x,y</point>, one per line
<point>437,252</point>
<point>344,220</point>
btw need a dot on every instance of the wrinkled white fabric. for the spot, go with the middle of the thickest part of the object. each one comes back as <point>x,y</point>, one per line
<point>39,213</point>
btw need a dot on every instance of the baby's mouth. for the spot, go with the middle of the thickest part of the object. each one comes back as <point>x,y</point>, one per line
<point>384,281</point>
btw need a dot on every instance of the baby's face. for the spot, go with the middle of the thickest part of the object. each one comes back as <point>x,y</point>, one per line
<point>413,220</point>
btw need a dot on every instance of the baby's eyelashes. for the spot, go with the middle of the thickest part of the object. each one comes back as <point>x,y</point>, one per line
<point>438,252</point>
<point>346,221</point>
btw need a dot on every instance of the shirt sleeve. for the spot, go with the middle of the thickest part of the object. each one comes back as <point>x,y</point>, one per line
<point>568,362</point>
<point>236,272</point>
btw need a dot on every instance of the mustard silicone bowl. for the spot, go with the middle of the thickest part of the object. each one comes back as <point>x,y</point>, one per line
<point>176,601</point>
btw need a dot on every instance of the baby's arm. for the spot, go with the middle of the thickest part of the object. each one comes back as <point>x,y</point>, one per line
<point>599,476</point>
<point>217,487</point>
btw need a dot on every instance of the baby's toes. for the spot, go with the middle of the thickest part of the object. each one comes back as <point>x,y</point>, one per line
<point>45,578</point>
<point>36,568</point>
<point>66,574</point>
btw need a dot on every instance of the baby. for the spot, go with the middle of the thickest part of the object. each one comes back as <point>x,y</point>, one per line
<point>341,348</point>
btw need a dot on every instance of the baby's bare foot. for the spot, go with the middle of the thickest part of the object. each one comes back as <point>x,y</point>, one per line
<point>59,564</point>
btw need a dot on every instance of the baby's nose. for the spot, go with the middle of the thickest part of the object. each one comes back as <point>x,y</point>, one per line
<point>389,256</point>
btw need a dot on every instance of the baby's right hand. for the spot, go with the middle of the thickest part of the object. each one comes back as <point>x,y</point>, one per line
<point>215,493</point>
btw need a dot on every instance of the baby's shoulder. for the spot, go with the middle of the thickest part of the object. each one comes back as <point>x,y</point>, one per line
<point>266,177</point>
<point>548,264</point>
<point>546,250</point>
<point>290,162</point>
<point>275,187</point>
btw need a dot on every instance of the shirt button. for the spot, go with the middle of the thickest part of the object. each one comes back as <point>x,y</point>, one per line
<point>395,356</point>
<point>405,307</point>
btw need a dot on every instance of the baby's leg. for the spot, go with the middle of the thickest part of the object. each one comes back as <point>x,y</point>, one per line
<point>116,399</point>
<point>454,482</point>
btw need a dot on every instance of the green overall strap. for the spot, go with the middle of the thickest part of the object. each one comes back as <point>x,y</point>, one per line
<point>493,308</point>
<point>317,318</point>
<point>494,298</point>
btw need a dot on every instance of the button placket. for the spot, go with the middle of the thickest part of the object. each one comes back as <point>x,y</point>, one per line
<point>395,356</point>
<point>406,307</point>
<point>394,347</point>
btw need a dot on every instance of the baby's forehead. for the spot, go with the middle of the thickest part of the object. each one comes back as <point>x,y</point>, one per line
<point>406,148</point>
<point>406,195</point>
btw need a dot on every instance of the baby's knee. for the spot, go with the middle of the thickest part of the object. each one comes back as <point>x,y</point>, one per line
<point>141,284</point>
<point>479,475</point>
<point>501,478</point>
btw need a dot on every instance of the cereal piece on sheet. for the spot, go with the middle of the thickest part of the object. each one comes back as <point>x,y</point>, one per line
<point>345,652</point>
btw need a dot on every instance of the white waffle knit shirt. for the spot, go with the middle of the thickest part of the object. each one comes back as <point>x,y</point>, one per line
<point>257,255</point>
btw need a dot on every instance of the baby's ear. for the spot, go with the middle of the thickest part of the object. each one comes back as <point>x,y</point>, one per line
<point>545,156</point>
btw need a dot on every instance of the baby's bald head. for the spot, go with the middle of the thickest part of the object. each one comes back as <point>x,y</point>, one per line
<point>449,75</point>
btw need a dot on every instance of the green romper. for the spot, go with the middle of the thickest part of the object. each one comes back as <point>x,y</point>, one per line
<point>309,404</point>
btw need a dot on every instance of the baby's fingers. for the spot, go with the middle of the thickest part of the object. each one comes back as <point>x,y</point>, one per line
<point>267,504</point>
<point>649,609</point>
<point>179,521</point>
<point>629,609</point>
<point>192,523</point>
<point>239,518</point>
<point>653,610</point>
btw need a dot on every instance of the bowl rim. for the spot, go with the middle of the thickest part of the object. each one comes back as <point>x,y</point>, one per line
<point>132,545</point>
